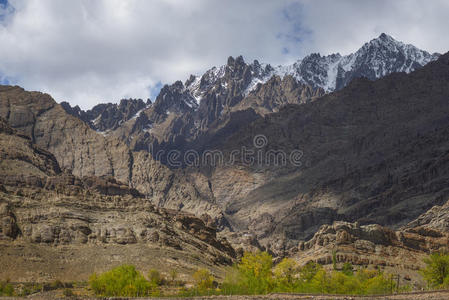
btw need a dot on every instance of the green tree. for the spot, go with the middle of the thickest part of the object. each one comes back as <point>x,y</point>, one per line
<point>255,272</point>
<point>124,281</point>
<point>334,259</point>
<point>284,274</point>
<point>309,271</point>
<point>340,283</point>
<point>203,279</point>
<point>320,283</point>
<point>436,272</point>
<point>378,284</point>
<point>347,269</point>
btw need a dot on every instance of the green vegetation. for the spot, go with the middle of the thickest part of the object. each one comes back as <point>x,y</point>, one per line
<point>122,281</point>
<point>6,289</point>
<point>203,279</point>
<point>436,272</point>
<point>255,274</point>
<point>68,293</point>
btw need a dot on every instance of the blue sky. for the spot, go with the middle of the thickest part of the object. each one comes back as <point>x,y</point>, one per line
<point>5,10</point>
<point>87,52</point>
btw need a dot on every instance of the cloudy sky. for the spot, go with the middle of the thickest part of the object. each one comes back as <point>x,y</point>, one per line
<point>90,51</point>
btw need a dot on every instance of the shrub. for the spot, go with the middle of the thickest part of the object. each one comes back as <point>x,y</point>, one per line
<point>436,272</point>
<point>68,293</point>
<point>121,281</point>
<point>307,272</point>
<point>57,284</point>
<point>6,289</point>
<point>347,269</point>
<point>203,279</point>
<point>29,288</point>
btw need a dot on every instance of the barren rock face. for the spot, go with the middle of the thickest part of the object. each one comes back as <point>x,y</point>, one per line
<point>8,225</point>
<point>84,152</point>
<point>106,117</point>
<point>397,252</point>
<point>370,154</point>
<point>44,210</point>
<point>432,221</point>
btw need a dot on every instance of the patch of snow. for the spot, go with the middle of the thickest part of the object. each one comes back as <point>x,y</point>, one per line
<point>96,120</point>
<point>103,133</point>
<point>332,72</point>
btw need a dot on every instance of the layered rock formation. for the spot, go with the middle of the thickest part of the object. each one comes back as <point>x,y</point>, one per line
<point>85,152</point>
<point>396,252</point>
<point>56,225</point>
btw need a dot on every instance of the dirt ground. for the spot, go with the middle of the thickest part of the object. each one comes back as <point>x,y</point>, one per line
<point>436,295</point>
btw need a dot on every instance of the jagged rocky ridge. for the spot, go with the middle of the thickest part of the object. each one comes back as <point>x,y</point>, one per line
<point>108,116</point>
<point>205,109</point>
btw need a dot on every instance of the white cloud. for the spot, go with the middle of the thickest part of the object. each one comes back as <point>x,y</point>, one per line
<point>87,52</point>
<point>344,25</point>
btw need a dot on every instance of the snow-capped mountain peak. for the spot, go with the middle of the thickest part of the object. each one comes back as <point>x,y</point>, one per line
<point>377,58</point>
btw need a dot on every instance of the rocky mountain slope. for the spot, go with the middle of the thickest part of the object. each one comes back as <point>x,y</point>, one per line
<point>58,226</point>
<point>84,152</point>
<point>205,109</point>
<point>374,152</point>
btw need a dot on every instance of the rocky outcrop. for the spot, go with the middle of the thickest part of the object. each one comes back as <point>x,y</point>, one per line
<point>398,252</point>
<point>76,147</point>
<point>278,92</point>
<point>8,223</point>
<point>432,221</point>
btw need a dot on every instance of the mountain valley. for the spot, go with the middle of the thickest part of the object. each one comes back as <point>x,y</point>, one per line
<point>82,189</point>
